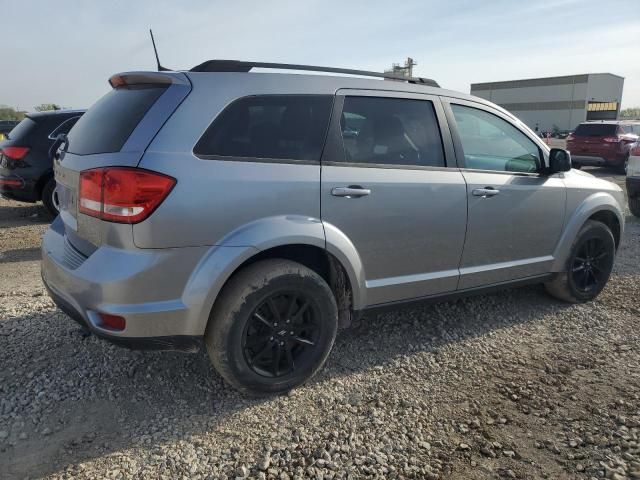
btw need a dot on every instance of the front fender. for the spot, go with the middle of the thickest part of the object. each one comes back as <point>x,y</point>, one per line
<point>594,203</point>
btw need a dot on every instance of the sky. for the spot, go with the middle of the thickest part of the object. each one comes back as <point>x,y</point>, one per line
<point>64,51</point>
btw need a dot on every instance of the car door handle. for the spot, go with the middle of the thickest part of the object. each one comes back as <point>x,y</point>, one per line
<point>485,192</point>
<point>352,191</point>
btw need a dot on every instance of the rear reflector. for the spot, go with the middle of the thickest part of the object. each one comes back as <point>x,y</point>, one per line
<point>15,153</point>
<point>112,322</point>
<point>11,182</point>
<point>122,194</point>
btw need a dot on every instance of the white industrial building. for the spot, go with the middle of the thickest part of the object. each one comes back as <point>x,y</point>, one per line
<point>561,103</point>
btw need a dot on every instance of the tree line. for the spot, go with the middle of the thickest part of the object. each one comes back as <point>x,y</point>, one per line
<point>10,113</point>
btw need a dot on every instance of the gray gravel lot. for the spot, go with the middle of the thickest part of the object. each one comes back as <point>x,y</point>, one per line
<point>509,385</point>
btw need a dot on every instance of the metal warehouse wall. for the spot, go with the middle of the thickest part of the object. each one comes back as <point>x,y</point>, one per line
<point>559,101</point>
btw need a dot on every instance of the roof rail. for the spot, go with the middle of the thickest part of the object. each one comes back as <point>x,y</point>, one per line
<point>242,66</point>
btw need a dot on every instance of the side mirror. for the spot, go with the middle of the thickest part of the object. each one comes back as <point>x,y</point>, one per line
<point>559,160</point>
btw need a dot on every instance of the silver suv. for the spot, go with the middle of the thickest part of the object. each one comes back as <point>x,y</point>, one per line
<point>259,211</point>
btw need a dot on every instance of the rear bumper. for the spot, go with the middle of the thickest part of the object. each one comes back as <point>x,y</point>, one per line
<point>17,188</point>
<point>143,286</point>
<point>183,343</point>
<point>633,187</point>
<point>597,161</point>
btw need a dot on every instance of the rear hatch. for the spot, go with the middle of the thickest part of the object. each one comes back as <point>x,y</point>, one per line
<point>114,132</point>
<point>593,139</point>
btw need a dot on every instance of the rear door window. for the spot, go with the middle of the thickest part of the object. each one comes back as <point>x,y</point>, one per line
<point>596,129</point>
<point>107,125</point>
<point>287,127</point>
<point>391,131</point>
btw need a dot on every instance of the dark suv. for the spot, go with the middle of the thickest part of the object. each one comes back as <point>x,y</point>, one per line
<point>602,144</point>
<point>26,171</point>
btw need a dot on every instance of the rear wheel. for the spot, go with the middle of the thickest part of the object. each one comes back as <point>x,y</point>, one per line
<point>589,265</point>
<point>634,206</point>
<point>272,327</point>
<point>577,166</point>
<point>48,197</point>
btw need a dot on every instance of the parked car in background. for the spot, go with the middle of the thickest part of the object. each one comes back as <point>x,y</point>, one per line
<point>605,144</point>
<point>633,180</point>
<point>26,171</point>
<point>6,126</point>
<point>257,211</point>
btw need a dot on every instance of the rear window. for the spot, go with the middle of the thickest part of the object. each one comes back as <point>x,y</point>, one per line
<point>22,130</point>
<point>107,125</point>
<point>289,127</point>
<point>596,129</point>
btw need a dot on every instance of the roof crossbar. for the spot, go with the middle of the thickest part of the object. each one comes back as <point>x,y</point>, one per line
<point>241,66</point>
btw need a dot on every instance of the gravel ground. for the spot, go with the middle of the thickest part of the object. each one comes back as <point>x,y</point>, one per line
<point>509,385</point>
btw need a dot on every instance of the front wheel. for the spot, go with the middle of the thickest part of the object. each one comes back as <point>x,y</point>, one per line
<point>272,327</point>
<point>589,265</point>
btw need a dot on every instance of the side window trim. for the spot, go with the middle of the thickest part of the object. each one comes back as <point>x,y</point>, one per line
<point>59,127</point>
<point>334,155</point>
<point>457,143</point>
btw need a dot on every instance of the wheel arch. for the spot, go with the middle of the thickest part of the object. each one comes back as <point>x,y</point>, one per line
<point>298,239</point>
<point>600,206</point>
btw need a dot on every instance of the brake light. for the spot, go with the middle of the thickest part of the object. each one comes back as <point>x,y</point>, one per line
<point>122,194</point>
<point>615,139</point>
<point>15,153</point>
<point>636,150</point>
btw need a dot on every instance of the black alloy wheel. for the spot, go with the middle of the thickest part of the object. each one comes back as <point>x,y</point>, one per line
<point>591,265</point>
<point>281,334</point>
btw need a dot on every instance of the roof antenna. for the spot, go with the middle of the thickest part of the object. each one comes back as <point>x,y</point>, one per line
<point>155,50</point>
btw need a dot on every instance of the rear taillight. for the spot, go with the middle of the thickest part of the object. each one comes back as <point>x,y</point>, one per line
<point>635,151</point>
<point>615,139</point>
<point>122,194</point>
<point>14,153</point>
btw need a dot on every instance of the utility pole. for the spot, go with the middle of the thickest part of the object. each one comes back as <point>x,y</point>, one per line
<point>405,70</point>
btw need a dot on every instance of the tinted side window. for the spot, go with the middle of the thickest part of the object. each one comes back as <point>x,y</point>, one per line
<point>491,143</point>
<point>107,125</point>
<point>64,127</point>
<point>289,127</point>
<point>391,131</point>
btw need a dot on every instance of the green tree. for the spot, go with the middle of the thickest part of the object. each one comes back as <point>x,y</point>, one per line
<point>45,107</point>
<point>10,113</point>
<point>633,112</point>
